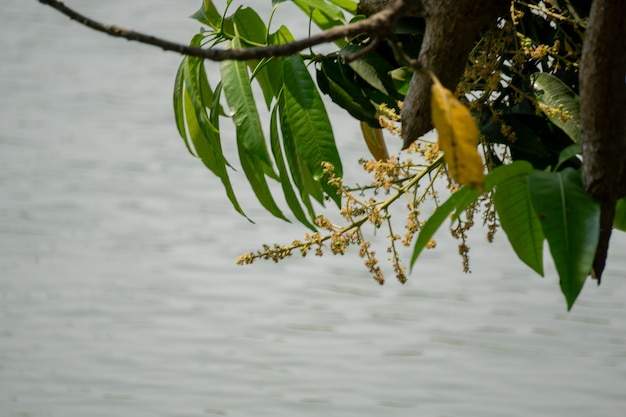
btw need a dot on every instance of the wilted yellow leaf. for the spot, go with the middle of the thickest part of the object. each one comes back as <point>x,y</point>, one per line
<point>458,137</point>
<point>375,141</point>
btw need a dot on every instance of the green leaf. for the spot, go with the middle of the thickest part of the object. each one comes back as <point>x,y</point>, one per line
<point>298,168</point>
<point>619,221</point>
<point>345,92</point>
<point>253,153</point>
<point>204,135</point>
<point>505,172</point>
<point>257,181</point>
<point>329,10</point>
<point>519,221</point>
<point>208,15</point>
<point>374,69</point>
<point>249,27</point>
<point>240,99</point>
<point>290,196</point>
<point>553,93</point>
<point>324,15</point>
<point>310,127</point>
<point>567,153</point>
<point>348,5</point>
<point>570,220</point>
<point>179,112</point>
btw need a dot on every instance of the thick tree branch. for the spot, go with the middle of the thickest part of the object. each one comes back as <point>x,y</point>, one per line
<point>451,30</point>
<point>379,25</point>
<point>603,114</point>
<point>415,8</point>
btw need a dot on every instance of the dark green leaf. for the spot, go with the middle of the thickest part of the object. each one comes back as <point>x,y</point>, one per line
<point>567,153</point>
<point>374,69</point>
<point>311,130</point>
<point>519,221</point>
<point>290,196</point>
<point>570,220</point>
<point>345,92</point>
<point>238,92</point>
<point>253,153</point>
<point>298,168</point>
<point>257,181</point>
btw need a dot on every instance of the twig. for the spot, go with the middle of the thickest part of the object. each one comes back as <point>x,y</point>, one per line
<point>379,25</point>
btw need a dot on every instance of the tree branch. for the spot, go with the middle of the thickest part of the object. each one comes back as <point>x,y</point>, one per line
<point>602,114</point>
<point>379,25</point>
<point>451,30</point>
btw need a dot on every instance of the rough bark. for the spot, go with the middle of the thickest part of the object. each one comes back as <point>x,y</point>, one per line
<point>451,30</point>
<point>603,114</point>
<point>369,7</point>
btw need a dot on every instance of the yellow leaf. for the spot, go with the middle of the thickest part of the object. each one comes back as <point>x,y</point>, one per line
<point>375,141</point>
<point>458,137</point>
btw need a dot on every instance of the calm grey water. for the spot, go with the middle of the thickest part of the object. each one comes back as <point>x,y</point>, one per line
<point>119,295</point>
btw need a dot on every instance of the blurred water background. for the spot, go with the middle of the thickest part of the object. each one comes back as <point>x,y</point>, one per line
<point>119,295</point>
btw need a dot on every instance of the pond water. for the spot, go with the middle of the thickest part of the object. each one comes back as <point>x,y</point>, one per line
<point>119,295</point>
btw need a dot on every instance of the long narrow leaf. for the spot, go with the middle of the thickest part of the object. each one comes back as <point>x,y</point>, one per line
<point>307,186</point>
<point>240,99</point>
<point>312,132</point>
<point>179,111</point>
<point>251,145</point>
<point>203,133</point>
<point>290,196</point>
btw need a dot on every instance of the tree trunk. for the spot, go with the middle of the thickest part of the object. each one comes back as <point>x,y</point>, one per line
<point>452,27</point>
<point>603,114</point>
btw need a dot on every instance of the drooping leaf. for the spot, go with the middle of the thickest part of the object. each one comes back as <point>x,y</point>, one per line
<point>458,137</point>
<point>312,133</point>
<point>179,112</point>
<point>253,153</point>
<point>570,220</point>
<point>300,174</point>
<point>202,130</point>
<point>374,69</point>
<point>338,82</point>
<point>519,220</point>
<point>290,196</point>
<point>375,141</point>
<point>558,102</point>
<point>619,221</point>
<point>240,99</point>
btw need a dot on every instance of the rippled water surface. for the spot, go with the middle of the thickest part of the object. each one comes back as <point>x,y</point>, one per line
<point>119,295</point>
